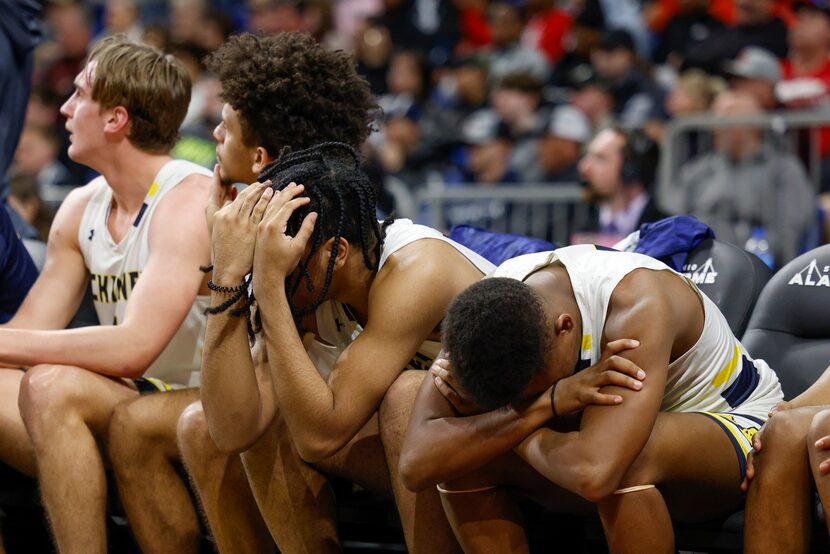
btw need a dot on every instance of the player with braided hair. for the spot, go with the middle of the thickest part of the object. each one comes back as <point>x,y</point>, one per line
<point>373,296</point>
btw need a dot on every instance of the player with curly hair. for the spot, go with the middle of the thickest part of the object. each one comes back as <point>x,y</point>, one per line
<point>282,93</point>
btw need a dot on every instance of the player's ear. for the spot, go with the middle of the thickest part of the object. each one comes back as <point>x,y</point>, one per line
<point>564,324</point>
<point>342,252</point>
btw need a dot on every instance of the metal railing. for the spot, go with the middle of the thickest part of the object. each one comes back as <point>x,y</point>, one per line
<point>783,130</point>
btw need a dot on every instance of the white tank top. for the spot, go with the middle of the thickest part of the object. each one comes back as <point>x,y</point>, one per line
<point>338,327</point>
<point>115,268</point>
<point>715,375</point>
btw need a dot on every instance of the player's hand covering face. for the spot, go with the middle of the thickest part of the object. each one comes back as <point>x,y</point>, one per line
<point>449,388</point>
<point>235,228</point>
<point>277,253</point>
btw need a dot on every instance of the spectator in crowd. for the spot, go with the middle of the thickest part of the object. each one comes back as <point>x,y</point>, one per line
<point>508,54</point>
<point>37,156</point>
<point>350,15</point>
<point>373,49</point>
<point>619,170</point>
<point>593,97</point>
<point>583,37</point>
<point>746,188</point>
<point>484,155</point>
<point>755,25</point>
<point>274,16</point>
<point>24,197</point>
<point>691,26</point>
<point>122,17</point>
<point>560,147</point>
<point>546,28</point>
<point>755,71</point>
<point>637,99</point>
<point>472,25</point>
<point>461,92</point>
<point>185,18</point>
<point>693,93</point>
<point>517,100</point>
<point>805,73</point>
<point>72,31</point>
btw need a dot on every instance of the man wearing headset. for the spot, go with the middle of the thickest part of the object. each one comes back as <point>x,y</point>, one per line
<point>619,169</point>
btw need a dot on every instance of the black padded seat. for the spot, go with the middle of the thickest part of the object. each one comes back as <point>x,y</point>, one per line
<point>790,327</point>
<point>730,276</point>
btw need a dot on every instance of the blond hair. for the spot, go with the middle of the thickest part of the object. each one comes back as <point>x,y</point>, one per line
<point>153,87</point>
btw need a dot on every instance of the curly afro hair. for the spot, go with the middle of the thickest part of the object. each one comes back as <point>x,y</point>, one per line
<point>496,334</point>
<point>291,92</point>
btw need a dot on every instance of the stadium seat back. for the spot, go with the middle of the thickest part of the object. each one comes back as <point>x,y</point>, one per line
<point>790,326</point>
<point>731,277</point>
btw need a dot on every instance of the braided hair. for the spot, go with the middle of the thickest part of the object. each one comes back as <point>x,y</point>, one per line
<point>345,201</point>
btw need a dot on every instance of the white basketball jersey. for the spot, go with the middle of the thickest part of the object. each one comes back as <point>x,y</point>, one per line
<point>338,327</point>
<point>116,268</point>
<point>715,375</point>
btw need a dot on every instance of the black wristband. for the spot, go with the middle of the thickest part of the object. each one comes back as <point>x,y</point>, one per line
<point>553,399</point>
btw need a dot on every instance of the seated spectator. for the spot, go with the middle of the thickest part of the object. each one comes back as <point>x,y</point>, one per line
<point>583,36</point>
<point>461,92</point>
<point>37,155</point>
<point>805,73</point>
<point>517,100</point>
<point>508,55</point>
<point>122,17</point>
<point>693,93</point>
<point>560,147</point>
<point>24,198</point>
<point>373,49</point>
<point>690,26</point>
<point>755,72</point>
<point>483,156</point>
<point>619,170</point>
<point>270,17</point>
<point>637,99</point>
<point>755,25</point>
<point>593,97</point>
<point>745,187</point>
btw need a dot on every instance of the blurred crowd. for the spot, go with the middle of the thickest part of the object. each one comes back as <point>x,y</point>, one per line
<point>504,93</point>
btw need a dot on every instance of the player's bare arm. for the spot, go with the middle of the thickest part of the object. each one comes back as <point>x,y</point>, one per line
<point>592,461</point>
<point>158,304</point>
<point>404,307</point>
<point>441,445</point>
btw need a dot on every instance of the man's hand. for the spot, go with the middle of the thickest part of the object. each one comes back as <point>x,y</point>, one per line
<point>234,232</point>
<point>573,394</point>
<point>220,196</point>
<point>277,253</point>
<point>441,372</point>
<point>757,445</point>
<point>824,444</point>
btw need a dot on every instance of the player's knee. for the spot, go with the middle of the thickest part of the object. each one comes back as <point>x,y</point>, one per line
<point>399,398</point>
<point>819,427</point>
<point>47,394</point>
<point>785,432</point>
<point>192,433</point>
<point>127,432</point>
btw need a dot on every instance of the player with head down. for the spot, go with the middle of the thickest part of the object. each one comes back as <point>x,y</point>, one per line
<point>676,447</point>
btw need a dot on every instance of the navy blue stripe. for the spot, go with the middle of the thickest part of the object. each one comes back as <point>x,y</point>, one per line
<point>140,214</point>
<point>605,248</point>
<point>757,420</point>
<point>744,385</point>
<point>738,450</point>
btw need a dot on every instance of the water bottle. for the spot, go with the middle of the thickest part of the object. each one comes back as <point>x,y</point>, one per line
<point>757,244</point>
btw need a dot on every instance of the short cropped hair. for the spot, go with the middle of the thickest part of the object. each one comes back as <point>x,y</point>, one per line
<point>153,87</point>
<point>497,338</point>
<point>291,92</point>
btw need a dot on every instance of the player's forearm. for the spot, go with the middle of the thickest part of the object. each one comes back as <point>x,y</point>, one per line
<point>445,448</point>
<point>114,350</point>
<point>574,461</point>
<point>229,390</point>
<point>305,400</point>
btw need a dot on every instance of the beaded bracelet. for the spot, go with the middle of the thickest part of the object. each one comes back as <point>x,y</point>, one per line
<point>227,290</point>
